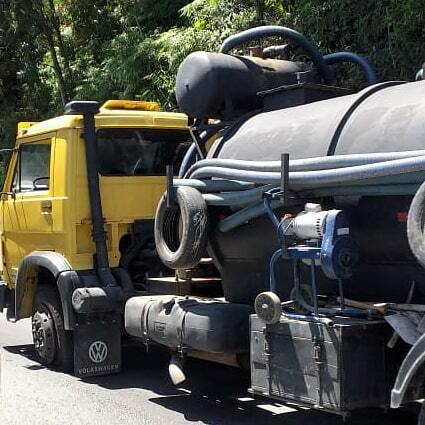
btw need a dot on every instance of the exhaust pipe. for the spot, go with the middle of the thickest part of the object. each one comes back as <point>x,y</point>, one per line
<point>176,368</point>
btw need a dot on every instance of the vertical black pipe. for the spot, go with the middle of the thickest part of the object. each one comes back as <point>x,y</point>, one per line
<point>101,261</point>
<point>98,227</point>
<point>170,187</point>
<point>284,178</point>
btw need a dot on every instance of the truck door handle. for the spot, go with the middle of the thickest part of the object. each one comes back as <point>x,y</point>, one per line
<point>46,207</point>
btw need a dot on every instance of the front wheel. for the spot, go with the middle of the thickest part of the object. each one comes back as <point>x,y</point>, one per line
<point>52,343</point>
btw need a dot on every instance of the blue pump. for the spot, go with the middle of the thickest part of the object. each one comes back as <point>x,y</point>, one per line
<point>334,250</point>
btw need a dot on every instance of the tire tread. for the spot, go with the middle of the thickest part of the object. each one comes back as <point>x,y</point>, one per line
<point>64,357</point>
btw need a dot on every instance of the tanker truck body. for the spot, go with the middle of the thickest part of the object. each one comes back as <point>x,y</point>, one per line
<point>309,203</point>
<point>290,244</point>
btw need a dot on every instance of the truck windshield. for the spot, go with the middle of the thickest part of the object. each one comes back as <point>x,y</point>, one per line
<point>140,151</point>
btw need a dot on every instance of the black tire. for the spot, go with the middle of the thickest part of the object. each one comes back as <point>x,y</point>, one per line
<point>53,344</point>
<point>415,225</point>
<point>181,232</point>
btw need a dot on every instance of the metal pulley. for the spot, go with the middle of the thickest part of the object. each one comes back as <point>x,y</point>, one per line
<point>268,307</point>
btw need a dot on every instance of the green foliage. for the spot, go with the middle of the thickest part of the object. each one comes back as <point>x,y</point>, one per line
<point>56,50</point>
<point>143,64</point>
<point>390,33</point>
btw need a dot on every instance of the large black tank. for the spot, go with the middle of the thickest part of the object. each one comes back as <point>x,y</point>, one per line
<point>216,85</point>
<point>385,117</point>
<point>382,118</point>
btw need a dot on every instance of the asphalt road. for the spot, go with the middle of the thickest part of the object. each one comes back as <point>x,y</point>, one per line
<point>142,393</point>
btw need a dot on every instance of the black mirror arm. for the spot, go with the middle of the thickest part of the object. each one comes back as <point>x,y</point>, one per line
<point>5,195</point>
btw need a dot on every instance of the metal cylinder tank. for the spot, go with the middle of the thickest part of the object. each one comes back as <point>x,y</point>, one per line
<point>382,118</point>
<point>215,85</point>
<point>385,117</point>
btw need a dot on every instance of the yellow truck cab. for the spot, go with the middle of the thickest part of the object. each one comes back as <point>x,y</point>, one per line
<point>78,201</point>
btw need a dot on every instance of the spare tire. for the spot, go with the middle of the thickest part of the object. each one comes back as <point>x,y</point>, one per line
<point>181,231</point>
<point>416,225</point>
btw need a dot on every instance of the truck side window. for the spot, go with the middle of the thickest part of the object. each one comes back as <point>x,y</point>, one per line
<point>140,152</point>
<point>32,170</point>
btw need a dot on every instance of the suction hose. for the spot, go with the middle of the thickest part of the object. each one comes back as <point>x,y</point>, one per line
<point>308,164</point>
<point>349,180</point>
<point>299,180</point>
<point>236,198</point>
<point>276,31</point>
<point>190,156</point>
<point>212,186</point>
<point>362,62</point>
<point>244,215</point>
<point>188,160</point>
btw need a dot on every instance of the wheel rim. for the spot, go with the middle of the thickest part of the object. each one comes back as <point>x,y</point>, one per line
<point>43,333</point>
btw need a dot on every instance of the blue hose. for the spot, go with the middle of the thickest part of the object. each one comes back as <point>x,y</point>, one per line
<point>362,62</point>
<point>188,160</point>
<point>276,255</point>
<point>269,209</point>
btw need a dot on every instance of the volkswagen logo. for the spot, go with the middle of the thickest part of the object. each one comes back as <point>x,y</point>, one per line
<point>98,351</point>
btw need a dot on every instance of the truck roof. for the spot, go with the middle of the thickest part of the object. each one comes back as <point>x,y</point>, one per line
<point>114,118</point>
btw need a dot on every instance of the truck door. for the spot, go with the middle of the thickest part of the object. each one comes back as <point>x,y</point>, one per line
<point>11,226</point>
<point>27,214</point>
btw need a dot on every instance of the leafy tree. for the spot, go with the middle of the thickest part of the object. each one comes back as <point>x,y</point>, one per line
<point>52,51</point>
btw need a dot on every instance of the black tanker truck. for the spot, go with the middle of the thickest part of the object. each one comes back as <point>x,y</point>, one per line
<point>305,202</point>
<point>291,243</point>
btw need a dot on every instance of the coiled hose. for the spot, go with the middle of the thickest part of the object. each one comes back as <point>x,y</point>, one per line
<point>376,173</point>
<point>299,180</point>
<point>213,186</point>
<point>308,164</point>
<point>237,198</point>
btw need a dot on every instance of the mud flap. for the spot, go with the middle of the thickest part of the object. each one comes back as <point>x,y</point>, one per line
<point>97,348</point>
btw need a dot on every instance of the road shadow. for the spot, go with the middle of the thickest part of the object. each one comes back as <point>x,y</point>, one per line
<point>213,394</point>
<point>26,350</point>
<point>218,395</point>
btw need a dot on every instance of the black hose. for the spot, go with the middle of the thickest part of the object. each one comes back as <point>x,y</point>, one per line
<point>270,31</point>
<point>362,62</point>
<point>190,157</point>
<point>188,160</point>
